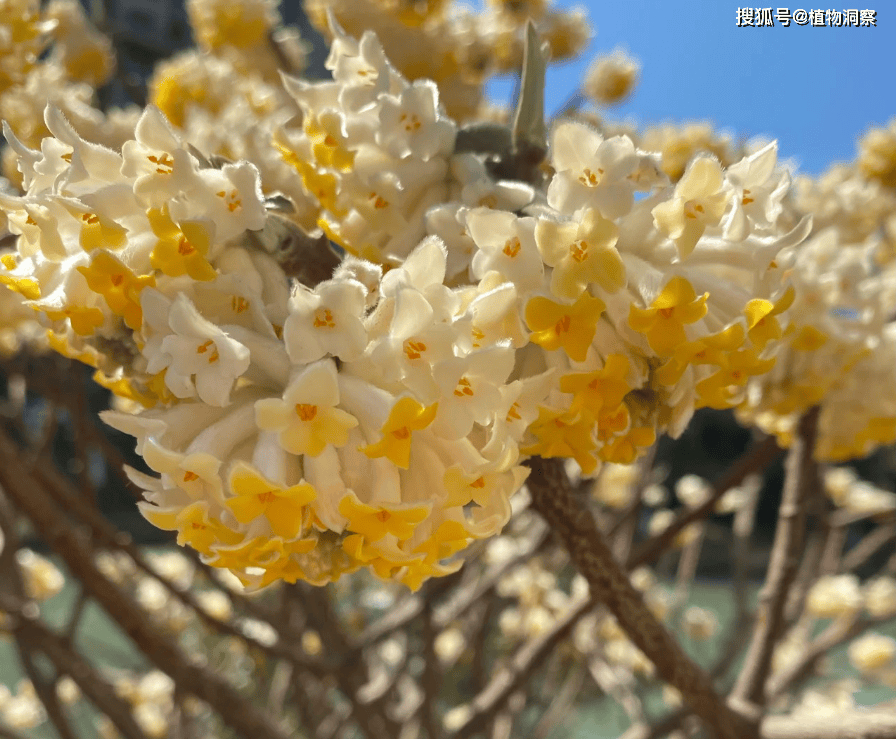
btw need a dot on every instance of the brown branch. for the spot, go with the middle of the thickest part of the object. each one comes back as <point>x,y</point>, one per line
<point>508,680</point>
<point>800,480</point>
<point>197,680</point>
<point>868,547</point>
<point>68,662</point>
<point>431,679</point>
<point>756,460</point>
<point>849,725</point>
<point>610,585</point>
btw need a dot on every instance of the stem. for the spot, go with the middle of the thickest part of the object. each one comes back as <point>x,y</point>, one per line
<point>784,564</point>
<point>609,584</point>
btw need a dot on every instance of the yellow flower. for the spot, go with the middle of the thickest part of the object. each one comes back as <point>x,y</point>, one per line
<point>664,321</point>
<point>284,508</point>
<point>603,389</point>
<point>705,350</point>
<point>193,524</point>
<point>373,522</point>
<point>120,287</point>
<point>572,327</point>
<point>98,232</point>
<point>406,416</point>
<point>182,248</point>
<point>762,326</point>
<point>84,320</point>
<point>563,434</point>
<point>581,253</point>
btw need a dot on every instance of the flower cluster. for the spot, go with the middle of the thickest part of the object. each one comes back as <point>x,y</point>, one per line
<point>481,312</point>
<point>448,43</point>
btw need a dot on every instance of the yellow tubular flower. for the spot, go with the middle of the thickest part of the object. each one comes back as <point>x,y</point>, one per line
<point>375,522</point>
<point>762,326</point>
<point>283,507</point>
<point>664,321</point>
<point>564,434</point>
<point>182,248</point>
<point>599,390</point>
<point>571,327</point>
<point>120,287</point>
<point>406,416</point>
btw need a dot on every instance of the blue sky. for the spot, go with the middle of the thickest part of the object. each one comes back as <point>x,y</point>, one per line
<point>815,89</point>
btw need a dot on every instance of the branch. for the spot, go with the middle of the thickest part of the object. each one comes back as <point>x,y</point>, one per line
<point>756,460</point>
<point>56,531</point>
<point>68,662</point>
<point>610,585</point>
<point>505,683</point>
<point>851,725</point>
<point>785,558</point>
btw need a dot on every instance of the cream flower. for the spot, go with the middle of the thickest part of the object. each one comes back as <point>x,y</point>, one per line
<point>699,200</point>
<point>307,418</point>
<point>199,358</point>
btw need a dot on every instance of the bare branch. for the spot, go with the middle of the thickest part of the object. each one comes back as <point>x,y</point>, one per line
<point>785,558</point>
<point>851,725</point>
<point>756,460</point>
<point>611,586</point>
<point>505,682</point>
<point>195,679</point>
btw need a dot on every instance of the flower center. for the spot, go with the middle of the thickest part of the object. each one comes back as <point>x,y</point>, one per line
<point>305,411</point>
<point>324,319</point>
<point>579,251</point>
<point>463,388</point>
<point>413,349</point>
<point>512,247</point>
<point>589,178</point>
<point>164,164</point>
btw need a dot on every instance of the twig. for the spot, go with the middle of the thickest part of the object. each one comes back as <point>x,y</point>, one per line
<point>756,460</point>
<point>610,683</point>
<point>506,681</point>
<point>610,585</point>
<point>785,558</point>
<point>45,689</point>
<point>837,633</point>
<point>868,547</point>
<point>68,662</point>
<point>33,500</point>
<point>431,679</point>
<point>849,725</point>
<point>661,728</point>
<point>558,711</point>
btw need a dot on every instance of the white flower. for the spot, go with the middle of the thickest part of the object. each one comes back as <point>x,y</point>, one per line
<point>197,356</point>
<point>699,200</point>
<point>230,196</point>
<point>326,320</point>
<point>410,124</point>
<point>833,596</point>
<point>872,653</point>
<point>307,419</point>
<point>162,168</point>
<point>880,597</point>
<point>591,171</point>
<point>469,389</point>
<point>759,187</point>
<point>506,245</point>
